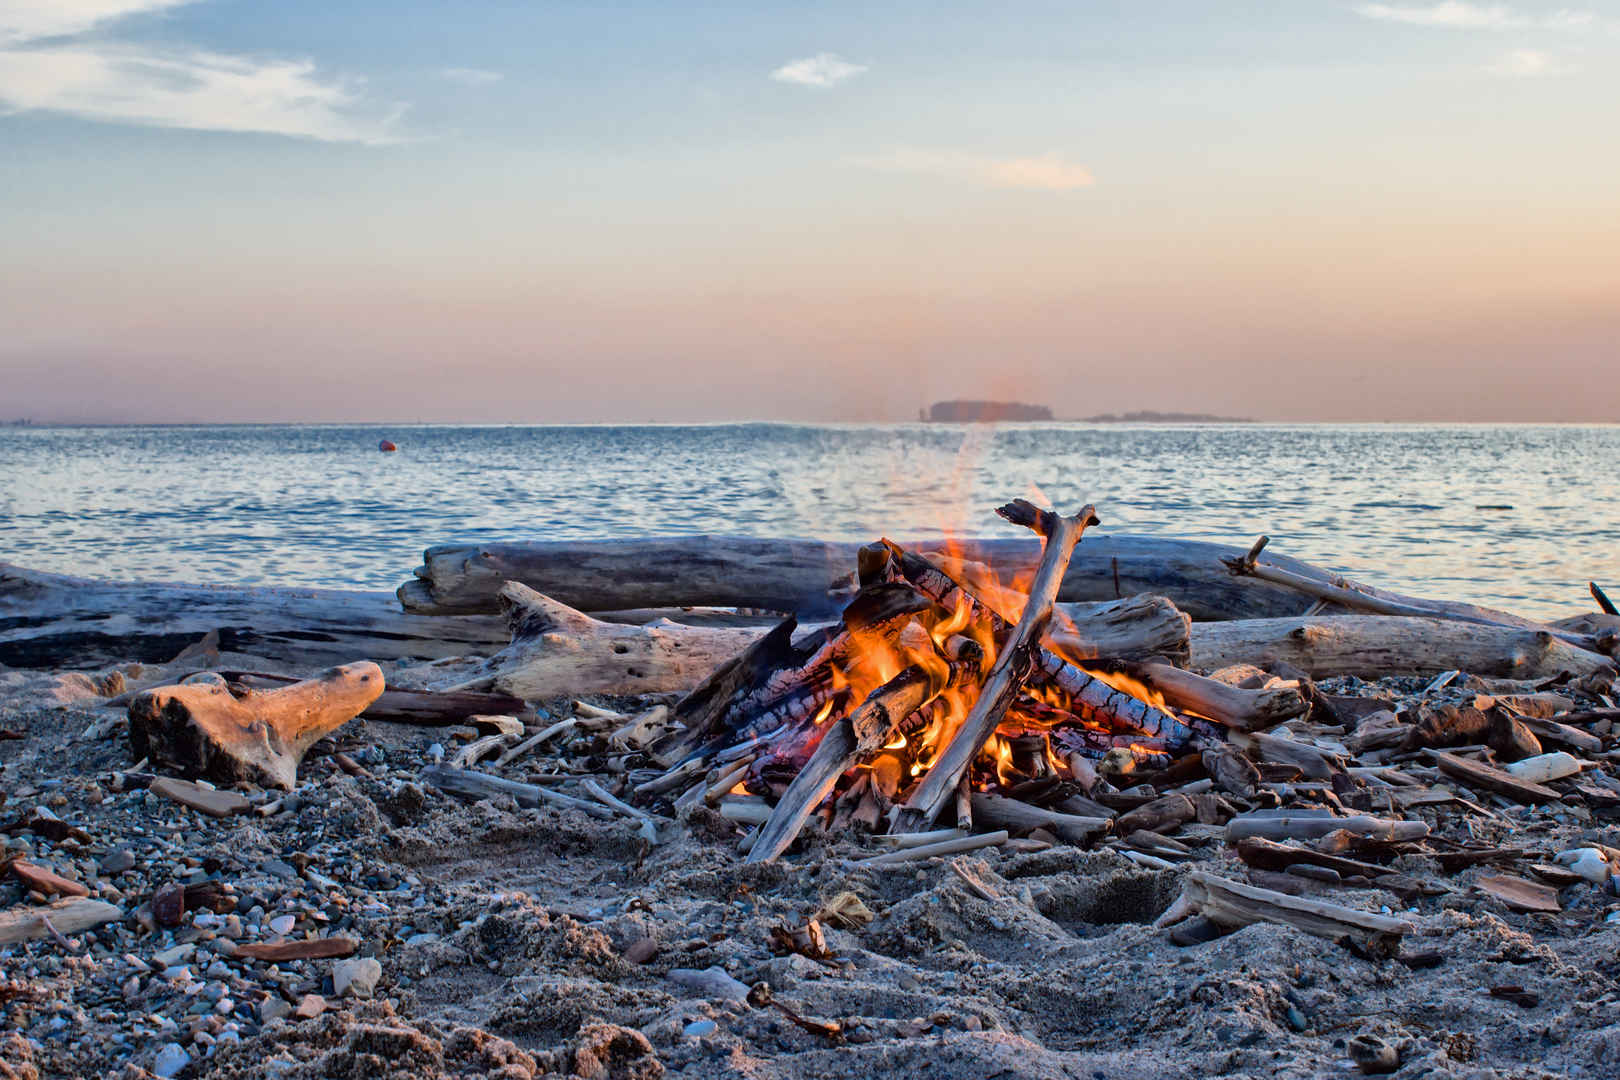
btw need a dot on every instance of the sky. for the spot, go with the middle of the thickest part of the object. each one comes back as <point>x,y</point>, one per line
<point>220,210</point>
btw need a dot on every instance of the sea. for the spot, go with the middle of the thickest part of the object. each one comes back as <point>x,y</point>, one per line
<point>1511,516</point>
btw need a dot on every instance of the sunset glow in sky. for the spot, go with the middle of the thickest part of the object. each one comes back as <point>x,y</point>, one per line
<point>226,210</point>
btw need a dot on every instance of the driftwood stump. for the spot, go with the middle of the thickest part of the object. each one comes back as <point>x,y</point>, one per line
<point>207,728</point>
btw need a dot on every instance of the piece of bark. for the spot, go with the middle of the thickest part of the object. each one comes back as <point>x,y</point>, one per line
<point>210,801</point>
<point>1313,763</point>
<point>57,621</point>
<point>1231,771</point>
<point>1476,774</point>
<point>205,730</point>
<point>1382,730</point>
<point>1520,894</point>
<point>27,922</point>
<point>1301,826</point>
<point>1374,646</point>
<point>45,882</point>
<point>1015,658</point>
<point>1269,855</point>
<point>1234,904</point>
<point>278,952</point>
<point>1245,710</point>
<point>1020,818</point>
<point>793,575</point>
<point>557,651</point>
<point>1448,724</point>
<point>1167,811</point>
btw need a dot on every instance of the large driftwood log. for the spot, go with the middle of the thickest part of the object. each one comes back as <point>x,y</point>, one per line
<point>558,651</point>
<point>1371,646</point>
<point>54,620</point>
<point>203,729</point>
<point>794,575</point>
<point>1356,597</point>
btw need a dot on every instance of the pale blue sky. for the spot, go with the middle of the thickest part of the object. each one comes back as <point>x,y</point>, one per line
<point>221,209</point>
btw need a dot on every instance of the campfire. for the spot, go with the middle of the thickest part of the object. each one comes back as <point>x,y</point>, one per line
<point>942,693</point>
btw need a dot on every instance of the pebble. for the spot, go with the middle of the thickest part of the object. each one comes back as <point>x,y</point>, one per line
<point>282,925</point>
<point>116,862</point>
<point>1296,1019</point>
<point>356,977</point>
<point>711,982</point>
<point>168,958</point>
<point>1373,1055</point>
<point>699,1028</point>
<point>170,1060</point>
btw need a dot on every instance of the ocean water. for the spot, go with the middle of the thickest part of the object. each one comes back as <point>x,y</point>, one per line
<point>1519,517</point>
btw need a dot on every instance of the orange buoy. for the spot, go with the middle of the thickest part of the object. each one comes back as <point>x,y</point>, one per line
<point>387,447</point>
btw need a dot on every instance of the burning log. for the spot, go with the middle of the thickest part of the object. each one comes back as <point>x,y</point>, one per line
<point>557,651</point>
<point>1016,659</point>
<point>1093,699</point>
<point>1245,710</point>
<point>848,740</point>
<point>206,729</point>
<point>1374,646</point>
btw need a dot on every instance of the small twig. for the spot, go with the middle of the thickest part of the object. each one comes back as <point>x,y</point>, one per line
<point>606,798</point>
<point>1603,601</point>
<point>56,935</point>
<point>535,740</point>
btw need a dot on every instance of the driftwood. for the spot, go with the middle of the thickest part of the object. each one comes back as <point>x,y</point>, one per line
<point>53,620</point>
<point>204,729</point>
<point>1015,660</point>
<point>1000,812</point>
<point>1304,825</point>
<point>794,575</point>
<point>425,707</point>
<point>476,785</point>
<point>1234,904</point>
<point>1373,646</point>
<point>27,923</point>
<point>1134,628</point>
<point>558,651</point>
<point>1476,774</point>
<point>1356,597</point>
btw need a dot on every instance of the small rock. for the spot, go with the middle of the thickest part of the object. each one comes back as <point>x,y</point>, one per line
<point>699,1028</point>
<point>641,950</point>
<point>282,925</point>
<point>277,868</point>
<point>711,982</point>
<point>310,1006</point>
<point>170,1060</point>
<point>1296,1018</point>
<point>356,977</point>
<point>273,1008</point>
<point>179,954</point>
<point>169,904</point>
<point>116,862</point>
<point>1373,1055</point>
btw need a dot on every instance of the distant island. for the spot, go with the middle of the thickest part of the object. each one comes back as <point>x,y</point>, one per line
<point>1148,416</point>
<point>989,411</point>
<point>956,412</point>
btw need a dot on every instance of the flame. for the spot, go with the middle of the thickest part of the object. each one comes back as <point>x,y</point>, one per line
<point>942,643</point>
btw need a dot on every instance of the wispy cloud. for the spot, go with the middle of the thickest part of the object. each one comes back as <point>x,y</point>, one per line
<point>1045,172</point>
<point>1530,63</point>
<point>468,76</point>
<point>47,63</point>
<point>38,20</point>
<point>822,69</point>
<point>1466,16</point>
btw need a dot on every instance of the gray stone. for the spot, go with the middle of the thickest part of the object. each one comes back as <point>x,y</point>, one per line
<point>356,977</point>
<point>170,1060</point>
